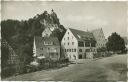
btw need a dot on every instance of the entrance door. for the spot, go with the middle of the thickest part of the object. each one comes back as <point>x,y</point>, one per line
<point>80,56</point>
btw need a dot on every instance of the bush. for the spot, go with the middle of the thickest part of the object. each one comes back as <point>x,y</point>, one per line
<point>30,68</point>
<point>46,64</point>
<point>8,71</point>
<point>102,54</point>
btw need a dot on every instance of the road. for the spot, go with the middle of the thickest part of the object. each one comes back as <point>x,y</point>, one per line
<point>100,70</point>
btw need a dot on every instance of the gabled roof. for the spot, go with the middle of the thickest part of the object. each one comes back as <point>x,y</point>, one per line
<point>39,41</point>
<point>82,35</point>
<point>97,33</point>
<point>98,29</point>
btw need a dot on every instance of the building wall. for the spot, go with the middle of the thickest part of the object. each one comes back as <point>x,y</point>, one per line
<point>75,55</point>
<point>47,50</point>
<point>69,44</point>
<point>100,38</point>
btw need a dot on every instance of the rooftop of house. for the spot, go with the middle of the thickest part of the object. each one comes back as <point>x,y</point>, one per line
<point>82,35</point>
<point>39,41</point>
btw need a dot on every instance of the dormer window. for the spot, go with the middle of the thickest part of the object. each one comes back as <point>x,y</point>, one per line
<point>68,38</point>
<point>48,43</point>
<point>68,32</point>
<point>79,36</point>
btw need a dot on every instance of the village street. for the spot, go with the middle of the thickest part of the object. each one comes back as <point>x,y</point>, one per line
<point>100,70</point>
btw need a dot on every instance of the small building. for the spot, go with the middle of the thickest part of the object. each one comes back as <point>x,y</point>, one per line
<point>46,47</point>
<point>126,42</point>
<point>77,44</point>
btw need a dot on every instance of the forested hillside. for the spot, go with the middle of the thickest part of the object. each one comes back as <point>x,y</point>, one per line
<point>20,34</point>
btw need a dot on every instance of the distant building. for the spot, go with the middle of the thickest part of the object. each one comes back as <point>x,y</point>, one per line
<point>46,47</point>
<point>77,44</point>
<point>126,42</point>
<point>99,37</point>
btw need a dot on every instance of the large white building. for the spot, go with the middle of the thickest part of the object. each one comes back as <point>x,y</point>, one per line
<point>77,44</point>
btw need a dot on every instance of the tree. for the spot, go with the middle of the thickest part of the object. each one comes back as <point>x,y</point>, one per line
<point>4,56</point>
<point>102,49</point>
<point>115,43</point>
<point>8,28</point>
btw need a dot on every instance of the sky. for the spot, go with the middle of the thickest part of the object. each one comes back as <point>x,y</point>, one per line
<point>110,16</point>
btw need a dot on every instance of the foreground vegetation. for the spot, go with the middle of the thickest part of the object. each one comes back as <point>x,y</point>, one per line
<point>96,70</point>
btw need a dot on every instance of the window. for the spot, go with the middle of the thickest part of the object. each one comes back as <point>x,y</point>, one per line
<point>80,56</point>
<point>74,50</point>
<point>68,38</point>
<point>65,50</point>
<point>48,43</point>
<point>68,32</point>
<point>52,55</point>
<point>41,54</point>
<point>87,44</point>
<point>72,43</point>
<point>87,50</point>
<point>68,43</point>
<point>41,48</point>
<point>81,44</point>
<point>80,50</point>
<point>70,50</point>
<point>93,44</point>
